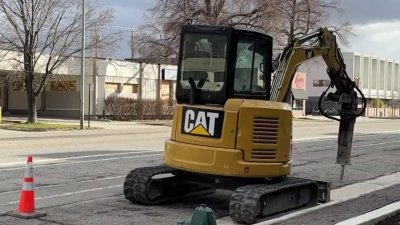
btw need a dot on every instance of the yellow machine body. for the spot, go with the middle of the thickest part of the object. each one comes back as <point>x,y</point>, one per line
<point>255,140</point>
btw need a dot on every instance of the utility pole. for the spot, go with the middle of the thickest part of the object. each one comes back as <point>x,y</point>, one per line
<point>132,50</point>
<point>82,86</point>
<point>95,71</point>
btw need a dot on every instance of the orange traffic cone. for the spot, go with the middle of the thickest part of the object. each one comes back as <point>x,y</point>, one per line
<point>27,201</point>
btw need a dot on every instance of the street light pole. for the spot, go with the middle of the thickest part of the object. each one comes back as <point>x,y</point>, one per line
<point>82,86</point>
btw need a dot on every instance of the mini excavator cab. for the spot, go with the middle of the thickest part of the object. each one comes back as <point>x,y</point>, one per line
<point>219,63</point>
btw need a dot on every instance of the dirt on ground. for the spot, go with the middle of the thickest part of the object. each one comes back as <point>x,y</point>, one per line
<point>394,220</point>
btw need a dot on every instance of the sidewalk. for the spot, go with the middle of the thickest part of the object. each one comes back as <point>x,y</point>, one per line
<point>99,121</point>
<point>124,125</point>
<point>105,124</point>
<point>108,128</point>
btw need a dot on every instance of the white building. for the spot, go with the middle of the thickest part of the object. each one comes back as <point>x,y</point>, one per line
<point>104,76</point>
<point>377,77</point>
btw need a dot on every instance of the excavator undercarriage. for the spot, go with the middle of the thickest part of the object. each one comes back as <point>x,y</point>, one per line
<point>252,198</point>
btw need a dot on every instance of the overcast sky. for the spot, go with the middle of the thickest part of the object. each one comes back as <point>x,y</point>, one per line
<point>376,24</point>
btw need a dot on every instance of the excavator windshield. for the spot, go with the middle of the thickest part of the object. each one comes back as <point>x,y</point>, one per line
<point>218,63</point>
<point>203,60</point>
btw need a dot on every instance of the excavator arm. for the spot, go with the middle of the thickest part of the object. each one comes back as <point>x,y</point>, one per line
<point>323,43</point>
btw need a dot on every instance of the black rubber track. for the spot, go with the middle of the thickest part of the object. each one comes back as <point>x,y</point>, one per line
<point>245,206</point>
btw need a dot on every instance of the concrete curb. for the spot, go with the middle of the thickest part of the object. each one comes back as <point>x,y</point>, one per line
<point>373,217</point>
<point>12,121</point>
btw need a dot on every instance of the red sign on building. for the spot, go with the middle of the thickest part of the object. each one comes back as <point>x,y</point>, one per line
<point>299,81</point>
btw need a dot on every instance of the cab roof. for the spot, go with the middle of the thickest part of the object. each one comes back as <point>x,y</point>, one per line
<point>223,29</point>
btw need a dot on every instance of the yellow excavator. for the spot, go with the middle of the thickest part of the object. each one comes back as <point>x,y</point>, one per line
<point>232,127</point>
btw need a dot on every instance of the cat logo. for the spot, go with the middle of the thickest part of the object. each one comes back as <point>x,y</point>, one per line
<point>202,122</point>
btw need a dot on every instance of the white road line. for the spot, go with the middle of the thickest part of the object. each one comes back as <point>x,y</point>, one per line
<point>388,142</point>
<point>116,177</point>
<point>77,157</point>
<point>333,136</point>
<point>390,146</point>
<point>77,162</point>
<point>65,184</point>
<point>154,151</point>
<point>353,148</point>
<point>67,194</point>
<point>313,138</point>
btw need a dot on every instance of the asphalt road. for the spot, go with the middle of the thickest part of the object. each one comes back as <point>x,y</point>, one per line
<point>79,174</point>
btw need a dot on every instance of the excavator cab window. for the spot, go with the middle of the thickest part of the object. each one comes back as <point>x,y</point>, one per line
<point>218,63</point>
<point>250,68</point>
<point>204,57</point>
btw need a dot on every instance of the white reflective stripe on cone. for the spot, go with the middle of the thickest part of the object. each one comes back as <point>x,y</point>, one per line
<point>27,186</point>
<point>29,170</point>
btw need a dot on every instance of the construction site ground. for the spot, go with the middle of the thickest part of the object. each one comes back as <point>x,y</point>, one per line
<point>79,174</point>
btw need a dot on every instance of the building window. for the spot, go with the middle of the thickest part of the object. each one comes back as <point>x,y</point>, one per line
<point>321,83</point>
<point>63,85</point>
<point>166,90</point>
<point>112,87</point>
<point>130,88</point>
<point>297,104</point>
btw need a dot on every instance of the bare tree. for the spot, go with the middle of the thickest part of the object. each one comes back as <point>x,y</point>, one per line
<point>300,17</point>
<point>161,35</point>
<point>283,19</point>
<point>39,36</point>
<point>394,103</point>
